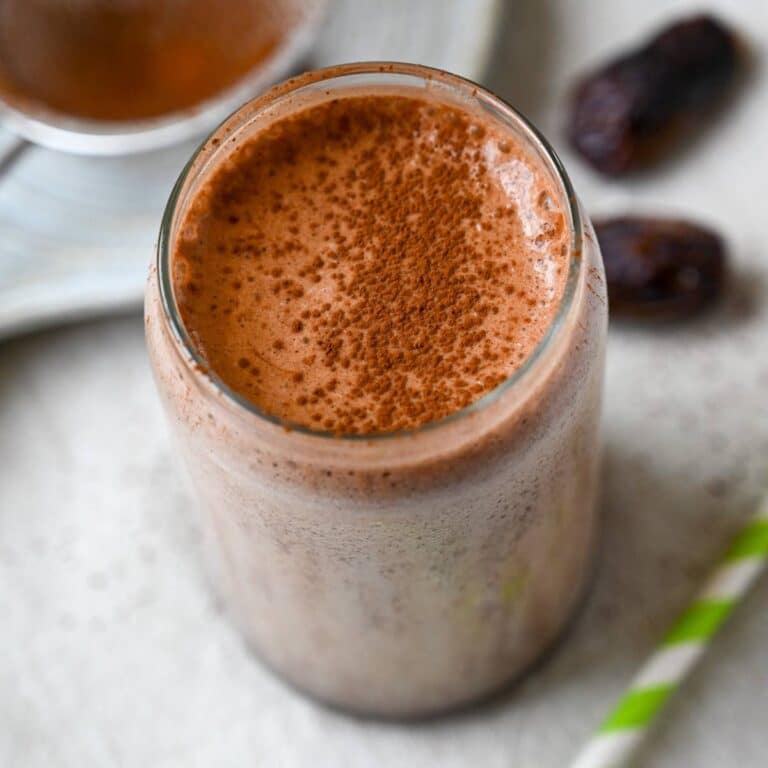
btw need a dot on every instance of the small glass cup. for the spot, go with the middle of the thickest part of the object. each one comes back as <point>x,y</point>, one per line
<point>407,573</point>
<point>34,121</point>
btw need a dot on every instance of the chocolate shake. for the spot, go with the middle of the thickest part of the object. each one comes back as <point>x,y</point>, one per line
<point>371,264</point>
<point>378,328</point>
<point>124,60</point>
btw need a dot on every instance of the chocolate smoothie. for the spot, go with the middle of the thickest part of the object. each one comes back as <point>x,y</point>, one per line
<point>379,334</point>
<point>117,60</point>
<point>371,264</point>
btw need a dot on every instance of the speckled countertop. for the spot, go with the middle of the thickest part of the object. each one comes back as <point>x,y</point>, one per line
<point>114,653</point>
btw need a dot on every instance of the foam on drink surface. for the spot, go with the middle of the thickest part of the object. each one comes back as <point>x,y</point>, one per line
<point>371,263</point>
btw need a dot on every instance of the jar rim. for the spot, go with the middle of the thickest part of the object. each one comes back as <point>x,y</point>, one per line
<point>194,360</point>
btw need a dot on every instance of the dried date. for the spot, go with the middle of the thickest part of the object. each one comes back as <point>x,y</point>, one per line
<point>660,268</point>
<point>624,114</point>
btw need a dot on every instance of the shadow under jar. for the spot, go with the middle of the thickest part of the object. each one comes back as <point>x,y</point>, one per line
<point>397,573</point>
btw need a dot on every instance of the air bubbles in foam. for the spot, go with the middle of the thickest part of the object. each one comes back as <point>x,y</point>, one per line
<point>519,183</point>
<point>546,203</point>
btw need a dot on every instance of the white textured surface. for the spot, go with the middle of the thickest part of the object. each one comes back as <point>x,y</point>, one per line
<point>113,652</point>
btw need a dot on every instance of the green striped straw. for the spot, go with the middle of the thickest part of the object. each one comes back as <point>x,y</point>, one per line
<point>617,740</point>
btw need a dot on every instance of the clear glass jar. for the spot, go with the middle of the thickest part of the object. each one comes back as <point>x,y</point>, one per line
<point>405,573</point>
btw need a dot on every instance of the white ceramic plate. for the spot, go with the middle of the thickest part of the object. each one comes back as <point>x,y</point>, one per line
<point>77,234</point>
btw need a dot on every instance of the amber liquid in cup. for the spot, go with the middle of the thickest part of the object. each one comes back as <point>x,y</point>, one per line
<point>377,324</point>
<point>127,60</point>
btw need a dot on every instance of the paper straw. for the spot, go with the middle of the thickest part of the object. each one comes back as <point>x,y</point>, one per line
<point>617,740</point>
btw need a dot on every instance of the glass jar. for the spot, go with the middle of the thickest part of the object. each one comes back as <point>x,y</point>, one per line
<point>405,573</point>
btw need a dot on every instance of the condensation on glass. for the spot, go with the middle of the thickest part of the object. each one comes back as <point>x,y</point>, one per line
<point>407,573</point>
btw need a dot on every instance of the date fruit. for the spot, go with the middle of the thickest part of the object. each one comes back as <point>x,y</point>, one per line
<point>660,268</point>
<point>625,113</point>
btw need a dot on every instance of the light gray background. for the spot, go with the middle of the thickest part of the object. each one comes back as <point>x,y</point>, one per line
<point>113,652</point>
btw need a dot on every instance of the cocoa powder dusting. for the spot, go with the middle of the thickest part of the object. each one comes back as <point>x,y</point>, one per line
<point>395,260</point>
